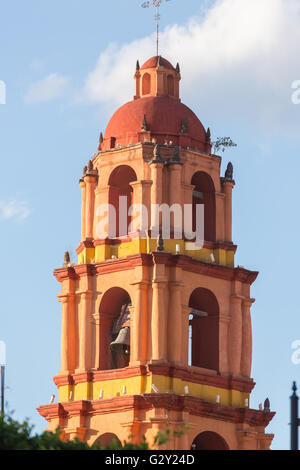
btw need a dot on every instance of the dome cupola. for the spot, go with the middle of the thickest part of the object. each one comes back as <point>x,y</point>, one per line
<point>156,114</point>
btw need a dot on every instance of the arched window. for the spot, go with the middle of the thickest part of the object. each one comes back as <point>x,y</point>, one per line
<point>121,198</point>
<point>204,193</point>
<point>107,439</point>
<point>146,84</point>
<point>115,329</point>
<point>170,84</point>
<point>204,329</point>
<point>209,441</point>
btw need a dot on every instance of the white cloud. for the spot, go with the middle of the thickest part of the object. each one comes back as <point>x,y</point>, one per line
<point>14,209</point>
<point>51,87</point>
<point>240,58</point>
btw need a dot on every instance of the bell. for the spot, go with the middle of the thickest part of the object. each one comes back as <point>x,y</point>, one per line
<point>121,345</point>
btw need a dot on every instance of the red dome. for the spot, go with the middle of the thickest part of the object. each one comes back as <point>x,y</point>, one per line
<point>152,63</point>
<point>164,116</point>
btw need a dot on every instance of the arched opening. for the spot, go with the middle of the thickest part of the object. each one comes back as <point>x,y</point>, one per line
<point>146,84</point>
<point>121,198</point>
<point>209,441</point>
<point>170,85</point>
<point>107,439</point>
<point>115,329</point>
<point>204,329</point>
<point>204,193</point>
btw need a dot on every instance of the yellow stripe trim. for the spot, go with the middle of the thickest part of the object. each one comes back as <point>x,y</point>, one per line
<point>142,245</point>
<point>143,384</point>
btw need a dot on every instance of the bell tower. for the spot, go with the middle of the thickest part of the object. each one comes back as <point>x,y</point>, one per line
<point>156,326</point>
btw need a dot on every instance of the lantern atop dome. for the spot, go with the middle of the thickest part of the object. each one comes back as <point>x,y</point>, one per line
<point>157,77</point>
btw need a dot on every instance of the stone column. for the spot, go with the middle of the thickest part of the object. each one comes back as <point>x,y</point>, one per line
<point>220,216</point>
<point>67,334</point>
<point>139,324</point>
<point>224,321</point>
<point>104,341</point>
<point>83,207</point>
<point>96,356</point>
<point>85,331</point>
<point>185,325</point>
<point>156,189</point>
<point>90,182</point>
<point>228,185</point>
<point>235,335</point>
<point>175,329</point>
<point>175,196</point>
<point>246,359</point>
<point>247,439</point>
<point>141,198</point>
<point>159,321</point>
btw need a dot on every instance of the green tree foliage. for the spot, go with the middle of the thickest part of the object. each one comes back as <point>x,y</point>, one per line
<point>19,436</point>
<point>222,143</point>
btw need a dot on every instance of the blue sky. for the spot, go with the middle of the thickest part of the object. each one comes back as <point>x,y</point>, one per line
<point>67,66</point>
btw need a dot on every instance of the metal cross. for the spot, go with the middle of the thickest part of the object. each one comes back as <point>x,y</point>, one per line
<point>157,4</point>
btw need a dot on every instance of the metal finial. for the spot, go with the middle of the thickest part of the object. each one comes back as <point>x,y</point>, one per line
<point>156,154</point>
<point>294,388</point>
<point>144,124</point>
<point>67,259</point>
<point>90,166</point>
<point>176,155</point>
<point>160,243</point>
<point>184,126</point>
<point>101,138</point>
<point>156,4</point>
<point>137,65</point>
<point>267,405</point>
<point>229,172</point>
<point>177,68</point>
<point>175,159</point>
<point>208,135</point>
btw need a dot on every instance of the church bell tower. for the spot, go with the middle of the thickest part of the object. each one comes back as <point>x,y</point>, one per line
<point>156,328</point>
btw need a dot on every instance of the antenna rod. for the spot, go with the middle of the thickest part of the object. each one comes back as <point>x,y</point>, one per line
<point>157,27</point>
<point>157,4</point>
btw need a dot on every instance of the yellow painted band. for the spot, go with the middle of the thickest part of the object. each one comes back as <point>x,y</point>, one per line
<point>143,384</point>
<point>142,245</point>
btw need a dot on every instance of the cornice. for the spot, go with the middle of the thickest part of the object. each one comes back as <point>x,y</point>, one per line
<point>184,262</point>
<point>180,403</point>
<point>184,373</point>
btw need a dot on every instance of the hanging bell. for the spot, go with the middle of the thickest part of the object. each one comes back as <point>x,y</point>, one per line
<point>121,345</point>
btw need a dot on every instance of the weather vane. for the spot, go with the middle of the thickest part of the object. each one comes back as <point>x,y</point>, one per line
<point>157,4</point>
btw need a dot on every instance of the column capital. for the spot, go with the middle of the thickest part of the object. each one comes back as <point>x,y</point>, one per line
<point>248,302</point>
<point>236,298</point>
<point>87,293</point>
<point>64,298</point>
<point>142,284</point>
<point>141,183</point>
<point>228,183</point>
<point>159,281</point>
<point>224,318</point>
<point>90,179</point>
<point>176,284</point>
<point>156,164</point>
<point>220,195</point>
<point>96,318</point>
